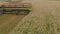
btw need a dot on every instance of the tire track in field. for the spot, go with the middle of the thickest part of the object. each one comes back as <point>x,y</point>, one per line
<point>10,24</point>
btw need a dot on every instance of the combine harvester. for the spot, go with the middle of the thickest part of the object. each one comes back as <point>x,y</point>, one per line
<point>15,8</point>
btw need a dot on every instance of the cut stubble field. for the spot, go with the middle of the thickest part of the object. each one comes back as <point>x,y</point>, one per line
<point>8,22</point>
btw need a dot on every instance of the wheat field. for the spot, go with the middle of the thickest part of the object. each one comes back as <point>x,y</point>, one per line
<point>43,19</point>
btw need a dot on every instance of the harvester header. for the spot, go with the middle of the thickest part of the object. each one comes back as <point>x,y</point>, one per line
<point>15,8</point>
